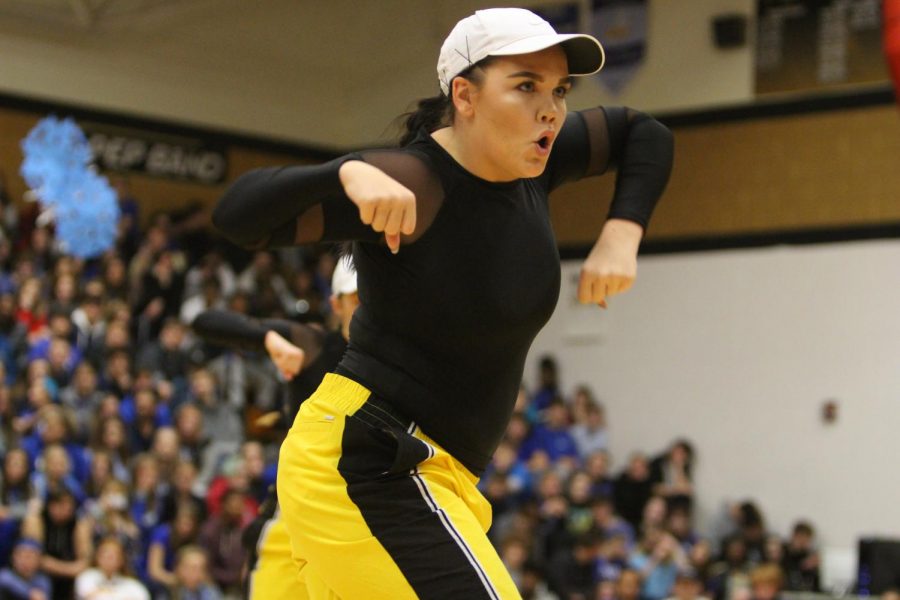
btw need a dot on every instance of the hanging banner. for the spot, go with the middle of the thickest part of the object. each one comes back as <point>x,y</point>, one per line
<point>563,17</point>
<point>805,45</point>
<point>621,26</point>
<point>149,153</point>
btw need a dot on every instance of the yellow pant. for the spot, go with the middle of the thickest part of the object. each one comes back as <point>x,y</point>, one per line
<point>275,574</point>
<point>381,512</point>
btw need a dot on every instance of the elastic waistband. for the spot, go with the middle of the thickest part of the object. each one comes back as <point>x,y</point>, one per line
<point>352,398</point>
<point>342,393</point>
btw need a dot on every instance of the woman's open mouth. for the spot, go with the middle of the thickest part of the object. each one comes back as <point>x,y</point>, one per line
<point>544,143</point>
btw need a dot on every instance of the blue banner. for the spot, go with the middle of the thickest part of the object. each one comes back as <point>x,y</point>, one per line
<point>563,17</point>
<point>621,26</point>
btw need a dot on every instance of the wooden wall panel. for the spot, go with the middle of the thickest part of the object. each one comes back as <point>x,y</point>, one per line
<point>827,169</point>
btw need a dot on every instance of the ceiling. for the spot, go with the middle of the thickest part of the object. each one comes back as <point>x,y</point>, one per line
<point>331,74</point>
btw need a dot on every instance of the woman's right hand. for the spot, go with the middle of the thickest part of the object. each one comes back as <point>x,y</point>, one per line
<point>384,203</point>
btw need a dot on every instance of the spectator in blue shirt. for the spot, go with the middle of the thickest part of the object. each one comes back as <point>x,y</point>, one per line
<point>548,389</point>
<point>607,523</point>
<point>149,415</point>
<point>506,463</point>
<point>612,559</point>
<point>590,435</point>
<point>38,396</point>
<point>83,398</point>
<point>15,498</point>
<point>167,540</point>
<point>111,437</point>
<point>24,579</point>
<point>597,467</point>
<point>63,359</point>
<point>56,475</point>
<point>54,427</point>
<point>553,435</point>
<point>659,558</point>
<point>146,503</point>
<point>15,488</point>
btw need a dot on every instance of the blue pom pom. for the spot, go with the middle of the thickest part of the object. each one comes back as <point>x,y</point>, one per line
<point>53,148</point>
<point>57,155</point>
<point>86,222</point>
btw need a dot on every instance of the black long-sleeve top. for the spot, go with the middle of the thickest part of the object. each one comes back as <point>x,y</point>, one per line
<point>444,326</point>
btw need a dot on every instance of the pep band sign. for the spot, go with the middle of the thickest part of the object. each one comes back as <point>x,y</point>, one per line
<point>142,152</point>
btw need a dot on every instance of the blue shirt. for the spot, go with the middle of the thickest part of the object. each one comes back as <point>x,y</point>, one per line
<point>609,570</point>
<point>128,412</point>
<point>15,587</point>
<point>41,487</point>
<point>33,445</point>
<point>659,582</point>
<point>557,443</point>
<point>162,534</point>
<point>204,592</point>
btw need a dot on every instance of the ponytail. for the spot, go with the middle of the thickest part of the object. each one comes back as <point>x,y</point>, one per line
<point>430,114</point>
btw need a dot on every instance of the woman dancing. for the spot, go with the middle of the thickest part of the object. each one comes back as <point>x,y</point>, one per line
<point>377,477</point>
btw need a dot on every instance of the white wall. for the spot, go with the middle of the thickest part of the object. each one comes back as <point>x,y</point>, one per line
<point>683,69</point>
<point>327,73</point>
<point>737,350</point>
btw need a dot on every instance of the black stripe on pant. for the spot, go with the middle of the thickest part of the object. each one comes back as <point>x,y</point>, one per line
<point>400,513</point>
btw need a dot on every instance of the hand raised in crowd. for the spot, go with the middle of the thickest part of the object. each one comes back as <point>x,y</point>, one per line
<point>611,267</point>
<point>383,202</point>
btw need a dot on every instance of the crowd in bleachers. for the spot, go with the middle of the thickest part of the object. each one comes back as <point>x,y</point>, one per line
<point>569,527</point>
<point>132,460</point>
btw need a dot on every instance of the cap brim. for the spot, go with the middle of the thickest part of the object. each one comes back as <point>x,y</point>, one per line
<point>584,52</point>
<point>344,291</point>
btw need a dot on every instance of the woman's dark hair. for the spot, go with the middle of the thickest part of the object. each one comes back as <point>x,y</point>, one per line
<point>176,541</point>
<point>749,515</point>
<point>436,112</point>
<point>6,487</point>
<point>687,447</point>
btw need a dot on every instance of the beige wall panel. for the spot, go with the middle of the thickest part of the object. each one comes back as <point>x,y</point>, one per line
<point>828,169</point>
<point>331,73</point>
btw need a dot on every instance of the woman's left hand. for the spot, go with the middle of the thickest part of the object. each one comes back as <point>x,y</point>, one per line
<point>611,267</point>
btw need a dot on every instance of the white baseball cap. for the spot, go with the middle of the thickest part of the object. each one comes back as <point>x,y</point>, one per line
<point>509,31</point>
<point>343,281</point>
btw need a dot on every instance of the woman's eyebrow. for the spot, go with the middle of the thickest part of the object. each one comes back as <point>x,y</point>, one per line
<point>538,77</point>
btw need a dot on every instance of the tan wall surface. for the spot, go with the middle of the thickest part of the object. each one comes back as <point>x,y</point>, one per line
<point>827,169</point>
<point>330,73</point>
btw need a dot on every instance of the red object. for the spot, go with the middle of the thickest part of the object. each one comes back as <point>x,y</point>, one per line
<point>33,321</point>
<point>892,41</point>
<point>214,494</point>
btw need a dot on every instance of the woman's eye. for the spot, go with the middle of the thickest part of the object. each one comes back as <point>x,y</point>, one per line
<point>527,86</point>
<point>561,91</point>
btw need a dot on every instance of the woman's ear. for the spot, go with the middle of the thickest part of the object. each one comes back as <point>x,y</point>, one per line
<point>464,93</point>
